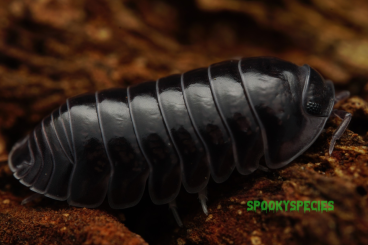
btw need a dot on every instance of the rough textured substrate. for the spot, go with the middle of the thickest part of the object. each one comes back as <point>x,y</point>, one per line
<point>45,221</point>
<point>59,225</point>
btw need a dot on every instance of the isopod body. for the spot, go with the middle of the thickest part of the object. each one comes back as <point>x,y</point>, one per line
<point>181,129</point>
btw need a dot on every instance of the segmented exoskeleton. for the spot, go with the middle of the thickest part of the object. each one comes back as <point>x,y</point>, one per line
<point>180,129</point>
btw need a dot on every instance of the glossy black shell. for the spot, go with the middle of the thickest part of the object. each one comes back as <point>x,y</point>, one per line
<point>181,129</point>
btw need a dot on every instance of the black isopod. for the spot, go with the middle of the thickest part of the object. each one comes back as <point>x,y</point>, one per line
<point>180,129</point>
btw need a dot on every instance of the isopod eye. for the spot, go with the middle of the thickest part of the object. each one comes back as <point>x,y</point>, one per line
<point>314,108</point>
<point>318,94</point>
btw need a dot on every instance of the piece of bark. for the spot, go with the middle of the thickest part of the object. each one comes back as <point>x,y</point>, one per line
<point>55,223</point>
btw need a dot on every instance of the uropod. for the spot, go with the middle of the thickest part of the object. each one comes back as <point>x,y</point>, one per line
<point>180,129</point>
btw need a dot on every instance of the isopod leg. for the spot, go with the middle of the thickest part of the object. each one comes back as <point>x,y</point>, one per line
<point>173,207</point>
<point>346,117</point>
<point>342,95</point>
<point>31,198</point>
<point>263,168</point>
<point>202,195</point>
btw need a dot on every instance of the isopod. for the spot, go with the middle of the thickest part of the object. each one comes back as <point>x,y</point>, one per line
<point>181,129</point>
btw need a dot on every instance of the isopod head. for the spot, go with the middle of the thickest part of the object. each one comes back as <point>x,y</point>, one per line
<point>291,103</point>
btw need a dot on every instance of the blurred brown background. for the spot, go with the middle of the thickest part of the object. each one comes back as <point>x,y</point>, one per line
<point>54,49</point>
